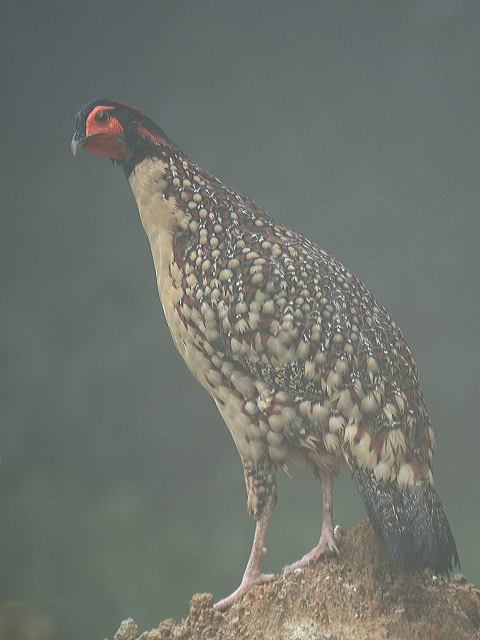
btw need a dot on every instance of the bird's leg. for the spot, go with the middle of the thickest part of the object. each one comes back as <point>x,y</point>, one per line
<point>328,541</point>
<point>252,574</point>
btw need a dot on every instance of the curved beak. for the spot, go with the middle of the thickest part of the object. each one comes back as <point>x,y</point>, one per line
<point>76,144</point>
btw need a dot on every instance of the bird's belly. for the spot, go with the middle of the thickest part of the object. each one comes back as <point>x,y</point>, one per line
<point>185,338</point>
<point>237,394</point>
<point>234,392</point>
<point>257,415</point>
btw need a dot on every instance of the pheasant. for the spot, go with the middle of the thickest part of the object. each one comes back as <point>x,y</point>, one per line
<point>304,365</point>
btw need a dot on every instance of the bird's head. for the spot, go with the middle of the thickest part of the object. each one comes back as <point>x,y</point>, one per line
<point>117,131</point>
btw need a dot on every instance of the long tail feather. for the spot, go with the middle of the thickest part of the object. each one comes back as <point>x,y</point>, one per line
<point>412,523</point>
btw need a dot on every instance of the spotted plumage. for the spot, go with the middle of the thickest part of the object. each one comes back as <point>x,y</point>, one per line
<point>302,361</point>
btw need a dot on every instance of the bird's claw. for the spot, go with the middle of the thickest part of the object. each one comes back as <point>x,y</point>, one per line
<point>247,583</point>
<point>327,546</point>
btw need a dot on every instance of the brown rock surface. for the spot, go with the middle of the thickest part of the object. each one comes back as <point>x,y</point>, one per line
<point>358,595</point>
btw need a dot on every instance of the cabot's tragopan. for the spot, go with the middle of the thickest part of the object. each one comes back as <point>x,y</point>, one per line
<point>303,363</point>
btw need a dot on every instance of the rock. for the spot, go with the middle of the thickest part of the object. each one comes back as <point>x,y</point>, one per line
<point>128,630</point>
<point>358,595</point>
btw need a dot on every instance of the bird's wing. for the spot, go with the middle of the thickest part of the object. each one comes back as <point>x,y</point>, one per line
<point>296,319</point>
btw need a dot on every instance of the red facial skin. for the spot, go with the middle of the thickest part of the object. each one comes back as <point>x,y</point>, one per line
<point>105,138</point>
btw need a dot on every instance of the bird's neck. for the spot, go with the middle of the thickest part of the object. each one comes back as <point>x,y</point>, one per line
<point>184,211</point>
<point>151,183</point>
<point>181,206</point>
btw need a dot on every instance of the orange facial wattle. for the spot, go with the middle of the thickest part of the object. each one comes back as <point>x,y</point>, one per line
<point>105,138</point>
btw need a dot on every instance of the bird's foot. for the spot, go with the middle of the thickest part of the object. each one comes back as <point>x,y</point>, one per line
<point>327,546</point>
<point>247,583</point>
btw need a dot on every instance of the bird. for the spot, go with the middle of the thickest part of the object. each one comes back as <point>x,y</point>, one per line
<point>304,365</point>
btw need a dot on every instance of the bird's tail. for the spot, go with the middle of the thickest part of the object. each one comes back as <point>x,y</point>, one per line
<point>411,522</point>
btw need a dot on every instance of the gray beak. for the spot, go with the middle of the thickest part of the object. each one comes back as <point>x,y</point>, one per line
<point>75,144</point>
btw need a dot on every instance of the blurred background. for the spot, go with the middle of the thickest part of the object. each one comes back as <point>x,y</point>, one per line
<point>357,123</point>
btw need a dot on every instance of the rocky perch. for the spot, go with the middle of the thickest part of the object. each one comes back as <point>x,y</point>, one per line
<point>358,595</point>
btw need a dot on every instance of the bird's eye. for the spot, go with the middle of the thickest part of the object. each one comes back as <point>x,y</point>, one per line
<point>102,117</point>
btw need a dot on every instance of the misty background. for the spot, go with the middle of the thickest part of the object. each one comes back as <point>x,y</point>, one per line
<point>356,123</point>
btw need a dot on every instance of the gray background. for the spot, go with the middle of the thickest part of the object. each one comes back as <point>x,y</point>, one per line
<point>357,123</point>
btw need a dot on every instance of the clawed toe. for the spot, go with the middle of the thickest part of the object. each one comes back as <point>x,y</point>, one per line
<point>246,585</point>
<point>326,546</point>
<point>316,553</point>
<point>333,549</point>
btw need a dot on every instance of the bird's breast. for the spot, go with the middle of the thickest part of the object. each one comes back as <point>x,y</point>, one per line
<point>160,217</point>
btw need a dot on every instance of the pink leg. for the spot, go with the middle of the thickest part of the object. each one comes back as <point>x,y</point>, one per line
<point>328,542</point>
<point>252,574</point>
